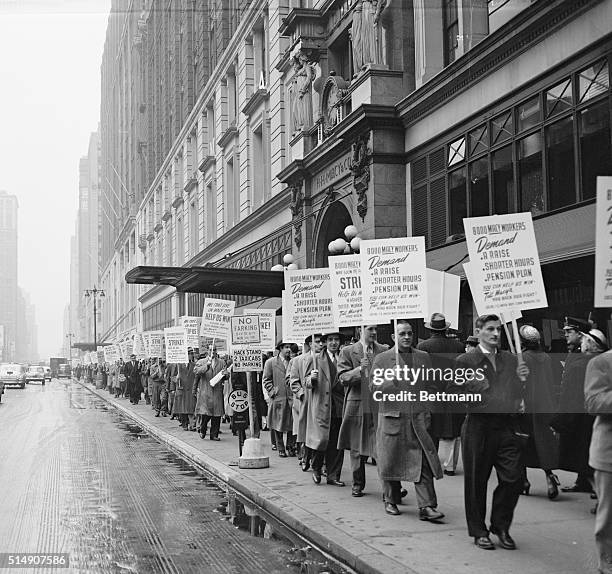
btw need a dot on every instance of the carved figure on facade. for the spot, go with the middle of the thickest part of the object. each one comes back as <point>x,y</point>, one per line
<point>360,168</point>
<point>297,210</point>
<point>366,34</point>
<point>304,76</point>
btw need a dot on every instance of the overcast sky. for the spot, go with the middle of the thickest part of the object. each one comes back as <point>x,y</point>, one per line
<point>50,56</point>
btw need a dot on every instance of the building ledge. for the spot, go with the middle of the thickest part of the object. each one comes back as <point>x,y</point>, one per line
<point>158,227</point>
<point>297,15</point>
<point>259,97</point>
<point>207,161</point>
<point>167,215</point>
<point>178,201</point>
<point>228,135</point>
<point>127,228</point>
<point>191,183</point>
<point>150,237</point>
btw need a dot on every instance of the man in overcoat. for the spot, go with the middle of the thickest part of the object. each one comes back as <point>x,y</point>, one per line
<point>358,428</point>
<point>156,376</point>
<point>299,367</point>
<point>131,371</point>
<point>489,436</point>
<point>280,417</point>
<point>209,404</point>
<point>184,401</point>
<point>598,401</point>
<point>404,446</point>
<point>325,403</point>
<point>445,421</point>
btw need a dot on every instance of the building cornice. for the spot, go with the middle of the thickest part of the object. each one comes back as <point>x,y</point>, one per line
<point>178,200</point>
<point>190,184</point>
<point>207,161</point>
<point>227,136</point>
<point>528,27</point>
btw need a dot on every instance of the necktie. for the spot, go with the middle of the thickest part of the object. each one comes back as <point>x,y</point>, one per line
<point>334,361</point>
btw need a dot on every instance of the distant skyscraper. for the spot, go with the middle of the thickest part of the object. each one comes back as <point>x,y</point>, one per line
<point>8,274</point>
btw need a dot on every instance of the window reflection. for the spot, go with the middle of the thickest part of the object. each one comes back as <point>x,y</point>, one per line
<point>560,164</point>
<point>530,170</point>
<point>479,188</point>
<point>503,180</point>
<point>595,149</point>
<point>457,200</point>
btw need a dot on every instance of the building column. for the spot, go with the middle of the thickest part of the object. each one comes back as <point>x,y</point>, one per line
<point>428,39</point>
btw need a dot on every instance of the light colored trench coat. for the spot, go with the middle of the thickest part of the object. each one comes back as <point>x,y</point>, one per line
<point>402,434</point>
<point>209,400</point>
<point>299,367</point>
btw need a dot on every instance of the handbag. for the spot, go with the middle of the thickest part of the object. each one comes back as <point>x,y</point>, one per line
<point>122,378</point>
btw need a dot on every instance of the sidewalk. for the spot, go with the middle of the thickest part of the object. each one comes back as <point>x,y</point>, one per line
<point>552,537</point>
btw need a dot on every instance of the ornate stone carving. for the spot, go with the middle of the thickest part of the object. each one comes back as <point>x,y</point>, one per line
<point>360,167</point>
<point>303,78</point>
<point>366,34</point>
<point>297,210</point>
<point>334,90</point>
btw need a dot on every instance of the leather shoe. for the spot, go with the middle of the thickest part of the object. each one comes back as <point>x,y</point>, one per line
<point>305,465</point>
<point>484,542</point>
<point>505,540</point>
<point>430,514</point>
<point>576,488</point>
<point>403,493</point>
<point>316,477</point>
<point>214,438</point>
<point>356,492</point>
<point>336,483</point>
<point>449,472</point>
<point>392,509</point>
<point>282,454</point>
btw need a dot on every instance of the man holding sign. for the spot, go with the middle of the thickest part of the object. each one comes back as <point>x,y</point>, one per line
<point>490,436</point>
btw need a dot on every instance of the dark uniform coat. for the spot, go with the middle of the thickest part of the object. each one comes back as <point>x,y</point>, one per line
<point>574,425</point>
<point>299,367</point>
<point>325,399</point>
<point>280,417</point>
<point>445,422</point>
<point>358,429</point>
<point>402,434</point>
<point>543,447</point>
<point>209,400</point>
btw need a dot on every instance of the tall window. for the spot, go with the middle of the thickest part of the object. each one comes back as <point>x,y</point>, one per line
<point>259,165</point>
<point>211,213</point>
<point>194,231</point>
<point>451,31</point>
<point>541,154</point>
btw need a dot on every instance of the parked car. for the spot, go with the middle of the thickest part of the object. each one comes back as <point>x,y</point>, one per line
<point>35,373</point>
<point>12,374</point>
<point>64,371</point>
<point>48,374</point>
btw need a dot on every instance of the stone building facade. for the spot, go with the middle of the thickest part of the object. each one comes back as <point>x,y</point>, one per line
<point>314,115</point>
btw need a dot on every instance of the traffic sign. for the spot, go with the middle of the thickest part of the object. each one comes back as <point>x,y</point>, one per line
<point>239,400</point>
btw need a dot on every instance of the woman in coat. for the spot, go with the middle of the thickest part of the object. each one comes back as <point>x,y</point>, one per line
<point>184,400</point>
<point>573,423</point>
<point>209,399</point>
<point>542,449</point>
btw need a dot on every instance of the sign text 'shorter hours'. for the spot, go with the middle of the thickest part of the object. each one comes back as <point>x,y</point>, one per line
<point>506,265</point>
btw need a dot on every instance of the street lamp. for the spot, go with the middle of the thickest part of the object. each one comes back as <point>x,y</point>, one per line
<point>342,247</point>
<point>95,293</point>
<point>288,263</point>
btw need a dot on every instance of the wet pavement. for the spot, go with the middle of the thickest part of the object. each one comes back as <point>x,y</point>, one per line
<point>78,477</point>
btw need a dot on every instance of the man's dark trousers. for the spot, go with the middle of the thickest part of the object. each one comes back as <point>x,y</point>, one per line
<point>488,441</point>
<point>332,456</point>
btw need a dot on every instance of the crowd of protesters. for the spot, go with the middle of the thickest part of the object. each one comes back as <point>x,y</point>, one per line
<point>320,403</point>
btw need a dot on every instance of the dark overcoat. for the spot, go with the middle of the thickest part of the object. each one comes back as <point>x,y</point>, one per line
<point>572,422</point>
<point>542,449</point>
<point>280,417</point>
<point>184,401</point>
<point>358,428</point>
<point>402,434</point>
<point>209,399</point>
<point>446,422</point>
<point>299,367</point>
<point>325,400</point>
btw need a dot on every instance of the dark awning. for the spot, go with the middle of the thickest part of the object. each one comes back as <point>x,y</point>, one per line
<point>215,280</point>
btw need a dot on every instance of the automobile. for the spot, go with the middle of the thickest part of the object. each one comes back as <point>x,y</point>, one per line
<point>48,374</point>
<point>12,374</point>
<point>64,371</point>
<point>35,373</point>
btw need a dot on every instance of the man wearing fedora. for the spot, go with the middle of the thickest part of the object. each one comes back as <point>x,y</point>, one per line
<point>324,416</point>
<point>132,379</point>
<point>280,417</point>
<point>358,428</point>
<point>445,422</point>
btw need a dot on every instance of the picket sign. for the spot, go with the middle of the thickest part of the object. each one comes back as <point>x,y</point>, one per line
<point>603,243</point>
<point>176,345</point>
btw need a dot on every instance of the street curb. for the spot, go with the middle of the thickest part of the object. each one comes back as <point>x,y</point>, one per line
<point>340,546</point>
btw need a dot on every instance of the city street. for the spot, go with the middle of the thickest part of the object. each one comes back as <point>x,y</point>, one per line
<point>79,478</point>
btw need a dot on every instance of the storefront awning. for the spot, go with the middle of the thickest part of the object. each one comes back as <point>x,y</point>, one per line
<point>211,280</point>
